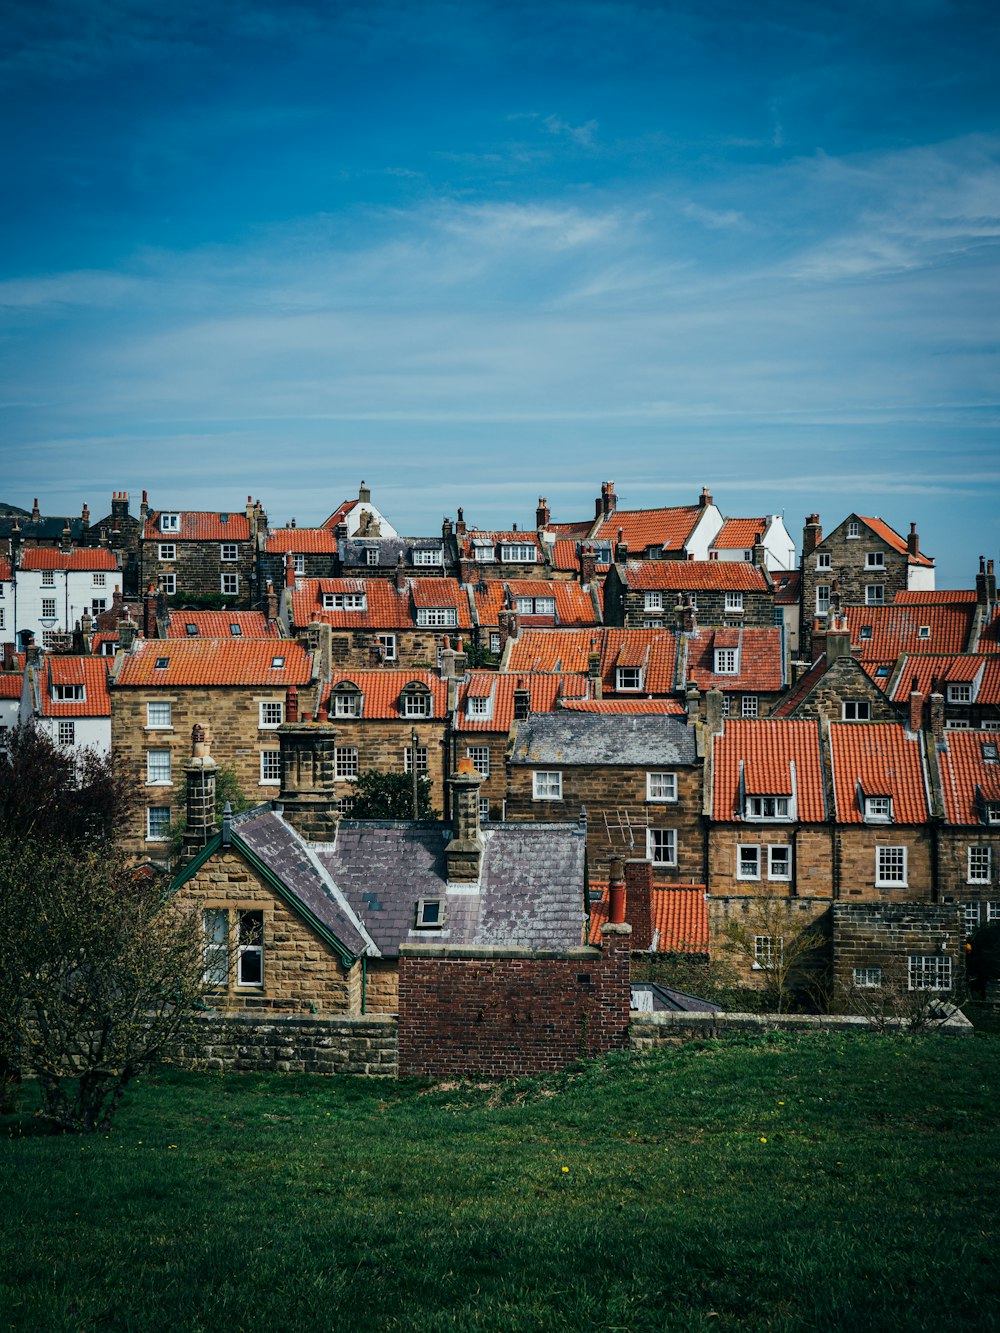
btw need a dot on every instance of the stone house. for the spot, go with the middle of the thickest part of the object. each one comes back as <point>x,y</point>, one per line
<point>655,595</point>
<point>630,663</point>
<point>312,553</point>
<point>968,685</point>
<point>892,947</point>
<point>513,553</point>
<point>748,667</point>
<point>504,607</point>
<point>234,687</point>
<point>637,777</point>
<point>198,554</point>
<point>21,528</point>
<point>965,775</point>
<point>120,531</point>
<point>837,687</point>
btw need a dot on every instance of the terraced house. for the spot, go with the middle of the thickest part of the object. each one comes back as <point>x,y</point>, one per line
<point>194,554</point>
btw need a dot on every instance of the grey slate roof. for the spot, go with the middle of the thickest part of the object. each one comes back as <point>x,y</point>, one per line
<point>614,738</point>
<point>353,551</point>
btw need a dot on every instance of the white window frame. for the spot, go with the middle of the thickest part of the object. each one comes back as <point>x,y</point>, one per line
<point>229,552</point>
<point>48,608</point>
<point>823,599</point>
<point>166,551</point>
<point>824,560</point>
<point>853,531</point>
<point>270,714</point>
<point>630,674</point>
<point>346,703</point>
<point>159,716</point>
<point>230,584</point>
<point>417,703</point>
<point>69,694</point>
<point>979,864</point>
<point>298,563</point>
<point>158,773</point>
<point>270,768</point>
<point>856,710</point>
<point>428,556</point>
<point>653,601</point>
<point>437,616</point>
<point>734,601</point>
<point>430,913</point>
<point>423,759</point>
<point>480,756</point>
<point>346,763</point>
<point>388,642</point>
<point>48,578</point>
<point>495,642</point>
<point>661,846</point>
<point>960,693</point>
<point>874,560</point>
<point>878,809</point>
<point>163,824</point>
<point>764,951</point>
<point>67,731</point>
<point>743,863</point>
<point>930,971</point>
<point>874,594</point>
<point>777,873</point>
<point>887,859</point>
<point>479,706</point>
<point>170,522</point>
<point>866,978</point>
<point>517,553</point>
<point>750,706</point>
<point>215,956</point>
<point>249,950</point>
<point>661,786</point>
<point>768,808</point>
<point>100,580</point>
<point>371,555</point>
<point>546,785</point>
<point>727,662</point>
<point>168,584</point>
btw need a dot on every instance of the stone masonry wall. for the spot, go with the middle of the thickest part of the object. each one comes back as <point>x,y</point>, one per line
<point>885,935</point>
<point>348,1045</point>
<point>848,567</point>
<point>953,865</point>
<point>198,568</point>
<point>810,852</point>
<point>505,1013</point>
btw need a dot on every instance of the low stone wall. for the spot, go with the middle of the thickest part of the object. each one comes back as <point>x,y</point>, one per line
<point>367,1045</point>
<point>649,1031</point>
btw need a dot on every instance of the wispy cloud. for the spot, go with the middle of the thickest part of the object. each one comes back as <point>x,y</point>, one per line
<point>582,135</point>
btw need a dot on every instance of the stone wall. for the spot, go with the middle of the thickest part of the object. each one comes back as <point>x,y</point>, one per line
<point>198,568</point>
<point>348,1045</point>
<point>505,1013</point>
<point>885,935</point>
<point>953,864</point>
<point>649,1032</point>
<point>855,859</point>
<point>809,851</point>
<point>848,567</point>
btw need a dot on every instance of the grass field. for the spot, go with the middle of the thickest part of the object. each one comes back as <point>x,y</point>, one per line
<point>821,1183</point>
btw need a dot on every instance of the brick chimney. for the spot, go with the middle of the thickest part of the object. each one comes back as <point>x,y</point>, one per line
<point>986,584</point>
<point>364,494</point>
<point>594,678</point>
<point>759,550</point>
<point>916,706</point>
<point>144,506</point>
<point>705,499</point>
<point>588,564</point>
<point>838,638</point>
<point>913,541</point>
<point>119,508</point>
<point>399,574</point>
<point>639,896</point>
<point>609,501</point>
<point>200,775</point>
<point>447,529</point>
<point>35,511</point>
<point>292,704</point>
<point>812,535</point>
<point>289,570</point>
<point>150,606</point>
<point>936,709</point>
<point>85,514</point>
<point>686,614</point>
<point>464,853</point>
<point>616,891</point>
<point>507,624</point>
<point>522,700</point>
<point>467,572</point>
<point>67,536</point>
<point>542,514</point>
<point>460,522</point>
<point>269,602</point>
<point>621,548</point>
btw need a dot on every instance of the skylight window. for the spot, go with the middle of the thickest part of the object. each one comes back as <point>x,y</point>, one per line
<point>277,663</point>
<point>162,663</point>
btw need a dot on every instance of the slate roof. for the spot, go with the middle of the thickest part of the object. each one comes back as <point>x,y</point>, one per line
<point>967,774</point>
<point>47,557</point>
<point>694,575</point>
<point>885,761</point>
<point>244,662</point>
<point>219,625</point>
<point>771,759</point>
<point>680,916</point>
<point>761,659</point>
<point>200,526</point>
<point>41,529</point>
<point>568,738</point>
<point>353,551</point>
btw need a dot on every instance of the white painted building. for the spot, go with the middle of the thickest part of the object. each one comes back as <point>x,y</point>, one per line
<point>49,590</point>
<point>68,699</point>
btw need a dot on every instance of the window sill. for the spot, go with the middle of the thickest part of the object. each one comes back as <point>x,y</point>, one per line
<point>167,783</point>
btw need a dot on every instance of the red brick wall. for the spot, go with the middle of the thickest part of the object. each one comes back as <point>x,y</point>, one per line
<point>504,1013</point>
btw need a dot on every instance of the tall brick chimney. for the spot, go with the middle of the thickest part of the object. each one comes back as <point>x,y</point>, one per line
<point>588,564</point>
<point>759,550</point>
<point>594,677</point>
<point>936,710</point>
<point>200,775</point>
<point>609,501</point>
<point>913,541</point>
<point>705,499</point>
<point>812,535</point>
<point>270,602</point>
<point>986,584</point>
<point>464,853</point>
<point>399,574</point>
<point>35,511</point>
<point>713,710</point>
<point>289,570</point>
<point>639,894</point>
<point>617,905</point>
<point>542,514</point>
<point>85,514</point>
<point>364,495</point>
<point>916,706</point>
<point>150,606</point>
<point>460,522</point>
<point>686,614</point>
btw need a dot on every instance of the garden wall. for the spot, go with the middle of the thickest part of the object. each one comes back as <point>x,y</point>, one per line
<point>242,1043</point>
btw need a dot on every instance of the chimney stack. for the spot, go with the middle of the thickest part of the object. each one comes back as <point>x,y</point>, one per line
<point>85,514</point>
<point>916,706</point>
<point>588,564</point>
<point>838,638</point>
<point>913,541</point>
<point>289,570</point>
<point>936,709</point>
<point>812,535</point>
<point>200,773</point>
<point>594,677</point>
<point>364,495</point>
<point>464,853</point>
<point>143,507</point>
<point>270,607</point>
<point>609,501</point>
<point>621,548</point>
<point>542,514</point>
<point>309,774</point>
<point>692,699</point>
<point>522,701</point>
<point>127,633</point>
<point>149,609</point>
<point>460,522</point>
<point>399,576</point>
<point>759,551</point>
<point>986,584</point>
<point>35,511</point>
<point>639,896</point>
<point>447,529</point>
<point>705,499</point>
<point>616,891</point>
<point>713,711</point>
<point>686,614</point>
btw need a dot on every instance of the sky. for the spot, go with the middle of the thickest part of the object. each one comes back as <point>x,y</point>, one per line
<point>474,253</point>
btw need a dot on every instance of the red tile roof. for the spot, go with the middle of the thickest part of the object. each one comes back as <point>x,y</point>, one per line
<point>339,515</point>
<point>10,684</point>
<point>623,705</point>
<point>963,669</point>
<point>884,761</point>
<point>768,752</point>
<point>5,569</point>
<point>924,597</point>
<point>302,541</point>
<point>680,916</point>
<point>246,662</point>
<point>787,586</point>
<point>47,557</point>
<point>200,526</point>
<point>382,690</point>
<point>568,650</point>
<point>669,528</point>
<point>761,659</point>
<point>387,608</point>
<point>90,672</point>
<point>544,692</point>
<point>738,534</point>
<point>574,532</point>
<point>574,605</point>
<point>882,633</point>
<point>989,638</point>
<point>892,538</point>
<point>218,625</point>
<point>966,774</point>
<point>692,575</point>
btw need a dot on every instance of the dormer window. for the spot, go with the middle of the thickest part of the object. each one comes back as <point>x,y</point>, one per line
<point>629,678</point>
<point>345,601</point>
<point>437,615</point>
<point>66,694</point>
<point>767,807</point>
<point>874,560</point>
<point>170,522</point>
<point>417,701</point>
<point>479,706</point>
<point>853,530</point>
<point>191,630</point>
<point>602,553</point>
<point>726,662</point>
<point>734,601</point>
<point>536,606</point>
<point>430,913</point>
<point>483,552</point>
<point>960,694</point>
<point>653,601</point>
<point>428,556</point>
<point>347,700</point>
<point>991,812</point>
<point>517,553</point>
<point>878,809</point>
<point>371,555</point>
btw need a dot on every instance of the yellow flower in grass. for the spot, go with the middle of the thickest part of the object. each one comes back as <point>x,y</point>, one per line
<point>565,1168</point>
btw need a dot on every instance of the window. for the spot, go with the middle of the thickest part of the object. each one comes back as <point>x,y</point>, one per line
<point>878,809</point>
<point>48,608</point>
<point>924,632</point>
<point>824,560</point>
<point>874,560</point>
<point>430,913</point>
<point>779,862</point>
<point>270,768</point>
<point>990,752</point>
<point>853,531</point>
<point>230,584</point>
<point>167,551</point>
<point>67,732</point>
<point>970,917</point>
<point>346,761</point>
<point>748,863</point>
<point>371,555</point>
<point>546,786</point>
<point>346,703</point>
<point>536,606</point>
<point>230,551</point>
<point>157,823</point>
<point>417,703</point>
<point>766,949</point>
<point>170,522</point>
<point>726,705</point>
<point>957,724</point>
<point>865,632</point>
<point>421,759</point>
<point>890,867</point>
<point>495,642</point>
<point>158,715</point>
<point>480,756</point>
<point>98,605</point>
<point>427,557</point>
<point>168,584</point>
<point>748,707</point>
<point>484,808</point>
<point>272,714</point>
<point>960,694</point>
<point>822,599</point>
<point>517,553</point>
<point>661,846</point>
<point>726,662</point>
<point>979,865</point>
<point>100,580</point>
<point>867,978</point>
<point>479,705</point>
<point>3,618</point>
<point>345,601</point>
<point>661,786</point>
<point>48,578</point>
<point>157,768</point>
<point>767,807</point>
<point>64,694</point>
<point>991,813</point>
<point>437,615</point>
<point>930,971</point>
<point>734,601</point>
<point>652,624</point>
<point>653,601</point>
<point>629,678</point>
<point>215,929</point>
<point>856,710</point>
<point>250,949</point>
<point>298,564</point>
<point>874,594</point>
<point>483,552</point>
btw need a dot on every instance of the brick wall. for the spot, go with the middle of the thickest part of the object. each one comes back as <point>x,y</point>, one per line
<point>504,1013</point>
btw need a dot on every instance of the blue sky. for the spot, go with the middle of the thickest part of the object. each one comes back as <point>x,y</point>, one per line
<point>479,252</point>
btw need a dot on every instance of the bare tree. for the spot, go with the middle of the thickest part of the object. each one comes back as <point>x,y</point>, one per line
<point>780,943</point>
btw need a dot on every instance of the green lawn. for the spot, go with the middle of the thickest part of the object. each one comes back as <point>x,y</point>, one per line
<point>821,1183</point>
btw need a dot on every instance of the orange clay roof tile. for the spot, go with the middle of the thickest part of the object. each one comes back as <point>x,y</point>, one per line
<point>884,761</point>
<point>568,651</point>
<point>382,691</point>
<point>46,557</point>
<point>882,633</point>
<point>669,528</point>
<point>574,607</point>
<point>90,672</point>
<point>219,625</point>
<point>10,684</point>
<point>692,575</point>
<point>941,671</point>
<point>892,538</point>
<point>679,916</point>
<point>968,775</point>
<point>302,541</point>
<point>769,752</point>
<point>386,607</point>
<point>924,597</point>
<point>200,526</point>
<point>738,534</point>
<point>543,690</point>
<point>657,706</point>
<point>761,659</point>
<point>240,662</point>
